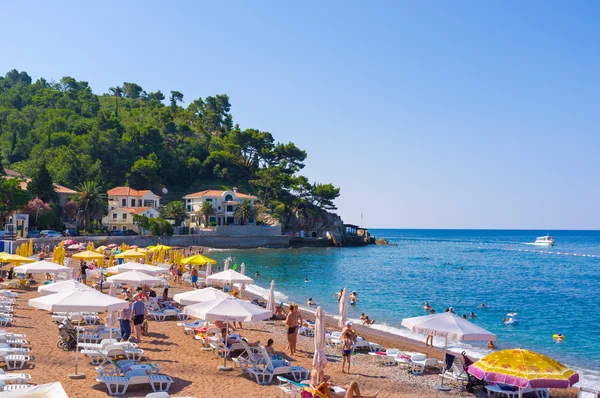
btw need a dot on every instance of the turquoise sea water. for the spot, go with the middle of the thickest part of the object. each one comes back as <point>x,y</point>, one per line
<point>554,290</point>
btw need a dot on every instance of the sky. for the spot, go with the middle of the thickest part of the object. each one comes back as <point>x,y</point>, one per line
<point>427,114</point>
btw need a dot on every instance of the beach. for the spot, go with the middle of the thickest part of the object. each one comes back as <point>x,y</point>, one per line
<point>195,372</point>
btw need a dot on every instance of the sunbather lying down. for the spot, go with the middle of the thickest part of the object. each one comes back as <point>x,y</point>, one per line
<point>324,387</point>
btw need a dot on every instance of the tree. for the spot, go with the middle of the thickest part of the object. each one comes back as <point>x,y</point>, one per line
<point>245,211</point>
<point>160,227</point>
<point>12,197</point>
<point>91,200</point>
<point>271,182</point>
<point>323,195</point>
<point>142,222</point>
<point>2,172</point>
<point>132,90</point>
<point>206,210</point>
<point>35,208</point>
<point>174,211</point>
<point>70,210</point>
<point>176,97</point>
<point>42,187</point>
<point>117,92</point>
<point>144,172</point>
<point>156,96</point>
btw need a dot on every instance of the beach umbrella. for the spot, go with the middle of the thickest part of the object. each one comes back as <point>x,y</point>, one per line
<point>449,326</point>
<point>135,278</point>
<point>41,267</point>
<point>343,308</point>
<point>62,287</point>
<point>243,285</point>
<point>50,390</point>
<point>230,276</point>
<point>208,269</point>
<point>112,321</point>
<point>319,358</point>
<point>69,242</point>
<point>523,368</point>
<point>88,255</point>
<point>76,246</point>
<point>271,301</point>
<point>14,258</point>
<point>112,246</point>
<point>199,296</point>
<point>227,309</point>
<point>198,259</point>
<point>226,265</point>
<point>78,301</point>
<point>147,269</point>
<point>131,253</point>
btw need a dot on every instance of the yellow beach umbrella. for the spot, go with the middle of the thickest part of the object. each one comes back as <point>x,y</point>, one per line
<point>147,258</point>
<point>159,247</point>
<point>198,259</point>
<point>88,255</point>
<point>523,368</point>
<point>110,260</point>
<point>130,254</point>
<point>31,247</point>
<point>14,258</point>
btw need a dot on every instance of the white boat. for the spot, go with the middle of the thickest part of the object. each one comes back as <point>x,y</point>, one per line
<point>544,241</point>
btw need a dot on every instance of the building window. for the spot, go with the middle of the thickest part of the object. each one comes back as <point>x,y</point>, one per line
<point>151,215</point>
<point>230,220</point>
<point>209,200</point>
<point>114,216</point>
<point>124,228</point>
<point>228,198</point>
<point>114,227</point>
<point>251,221</point>
<point>189,208</point>
<point>124,216</point>
<point>211,219</point>
<point>219,208</point>
<point>140,203</point>
<point>229,208</point>
<point>132,202</point>
<point>189,200</point>
<point>123,202</point>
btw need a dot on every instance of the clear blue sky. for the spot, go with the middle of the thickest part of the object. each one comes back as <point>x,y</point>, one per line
<point>482,114</point>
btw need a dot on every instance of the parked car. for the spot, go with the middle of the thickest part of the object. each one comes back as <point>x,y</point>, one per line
<point>72,232</point>
<point>49,233</point>
<point>131,232</point>
<point>116,232</point>
<point>33,234</point>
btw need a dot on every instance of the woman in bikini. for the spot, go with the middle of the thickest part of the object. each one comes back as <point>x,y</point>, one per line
<point>322,383</point>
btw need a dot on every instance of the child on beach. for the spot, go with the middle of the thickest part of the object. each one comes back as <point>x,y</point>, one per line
<point>346,349</point>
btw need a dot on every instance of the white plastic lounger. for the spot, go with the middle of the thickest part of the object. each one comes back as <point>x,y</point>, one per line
<point>15,378</point>
<point>118,385</point>
<point>99,357</point>
<point>14,361</point>
<point>389,358</point>
<point>4,321</point>
<point>161,315</point>
<point>267,370</point>
<point>250,358</point>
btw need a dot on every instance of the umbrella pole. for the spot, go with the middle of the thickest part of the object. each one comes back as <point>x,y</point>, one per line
<point>442,387</point>
<point>225,367</point>
<point>77,375</point>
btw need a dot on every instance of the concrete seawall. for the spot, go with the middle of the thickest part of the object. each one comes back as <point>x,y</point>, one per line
<point>220,242</point>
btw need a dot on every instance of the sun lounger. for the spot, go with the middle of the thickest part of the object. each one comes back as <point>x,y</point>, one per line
<point>95,337</point>
<point>511,392</point>
<point>290,388</point>
<point>333,339</point>
<point>362,344</point>
<point>13,342</point>
<point>14,361</point>
<point>161,315</point>
<point>5,321</point>
<point>388,357</point>
<point>99,357</point>
<point>455,370</point>
<point>163,395</point>
<point>5,349</point>
<point>10,335</point>
<point>585,392</point>
<point>15,378</point>
<point>120,368</point>
<point>117,385</point>
<point>88,318</point>
<point>102,344</point>
<point>251,357</point>
<point>265,372</point>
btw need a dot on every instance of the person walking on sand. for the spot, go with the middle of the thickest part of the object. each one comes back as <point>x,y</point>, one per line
<point>139,310</point>
<point>125,323</point>
<point>347,345</point>
<point>83,274</point>
<point>194,277</point>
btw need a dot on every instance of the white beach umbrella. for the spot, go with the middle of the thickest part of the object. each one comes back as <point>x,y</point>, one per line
<point>343,308</point>
<point>450,326</point>
<point>271,306</point>
<point>227,309</point>
<point>113,320</point>
<point>230,276</point>
<point>208,270</point>
<point>199,296</point>
<point>135,278</point>
<point>50,390</point>
<point>61,287</point>
<point>78,301</point>
<point>227,264</point>
<point>243,285</point>
<point>131,266</point>
<point>319,358</point>
<point>41,267</point>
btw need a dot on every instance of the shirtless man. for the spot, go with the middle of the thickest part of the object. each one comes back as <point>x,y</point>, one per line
<point>338,295</point>
<point>291,322</point>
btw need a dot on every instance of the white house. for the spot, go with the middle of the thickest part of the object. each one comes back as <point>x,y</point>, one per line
<point>125,202</point>
<point>224,202</point>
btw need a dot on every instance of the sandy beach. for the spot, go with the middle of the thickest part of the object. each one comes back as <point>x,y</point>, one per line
<point>195,371</point>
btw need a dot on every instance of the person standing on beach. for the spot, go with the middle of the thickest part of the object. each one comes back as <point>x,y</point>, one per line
<point>194,277</point>
<point>347,346</point>
<point>291,321</point>
<point>125,323</point>
<point>83,275</point>
<point>139,310</point>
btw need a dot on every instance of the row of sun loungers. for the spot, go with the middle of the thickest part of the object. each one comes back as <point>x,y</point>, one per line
<point>13,350</point>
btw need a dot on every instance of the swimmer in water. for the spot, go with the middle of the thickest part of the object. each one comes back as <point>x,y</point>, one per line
<point>257,274</point>
<point>427,307</point>
<point>353,298</point>
<point>309,302</point>
<point>424,257</point>
<point>461,268</point>
<point>491,345</point>
<point>464,316</point>
<point>306,280</point>
<point>472,316</point>
<point>367,321</point>
<point>482,305</point>
<point>362,316</point>
<point>431,311</point>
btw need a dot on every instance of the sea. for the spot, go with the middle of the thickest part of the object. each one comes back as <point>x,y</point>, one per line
<point>553,289</point>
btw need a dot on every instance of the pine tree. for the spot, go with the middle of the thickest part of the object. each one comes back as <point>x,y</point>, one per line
<point>2,172</point>
<point>41,186</point>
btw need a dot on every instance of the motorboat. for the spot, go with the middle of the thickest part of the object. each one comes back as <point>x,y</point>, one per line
<point>544,241</point>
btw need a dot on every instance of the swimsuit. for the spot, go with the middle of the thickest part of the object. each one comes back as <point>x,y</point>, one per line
<point>347,352</point>
<point>291,330</point>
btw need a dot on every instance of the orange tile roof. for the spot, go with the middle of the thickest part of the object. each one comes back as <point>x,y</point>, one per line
<point>11,173</point>
<point>126,191</point>
<point>57,188</point>
<point>134,210</point>
<point>214,192</point>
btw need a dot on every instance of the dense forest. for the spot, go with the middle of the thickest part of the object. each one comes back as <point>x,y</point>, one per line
<point>148,140</point>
